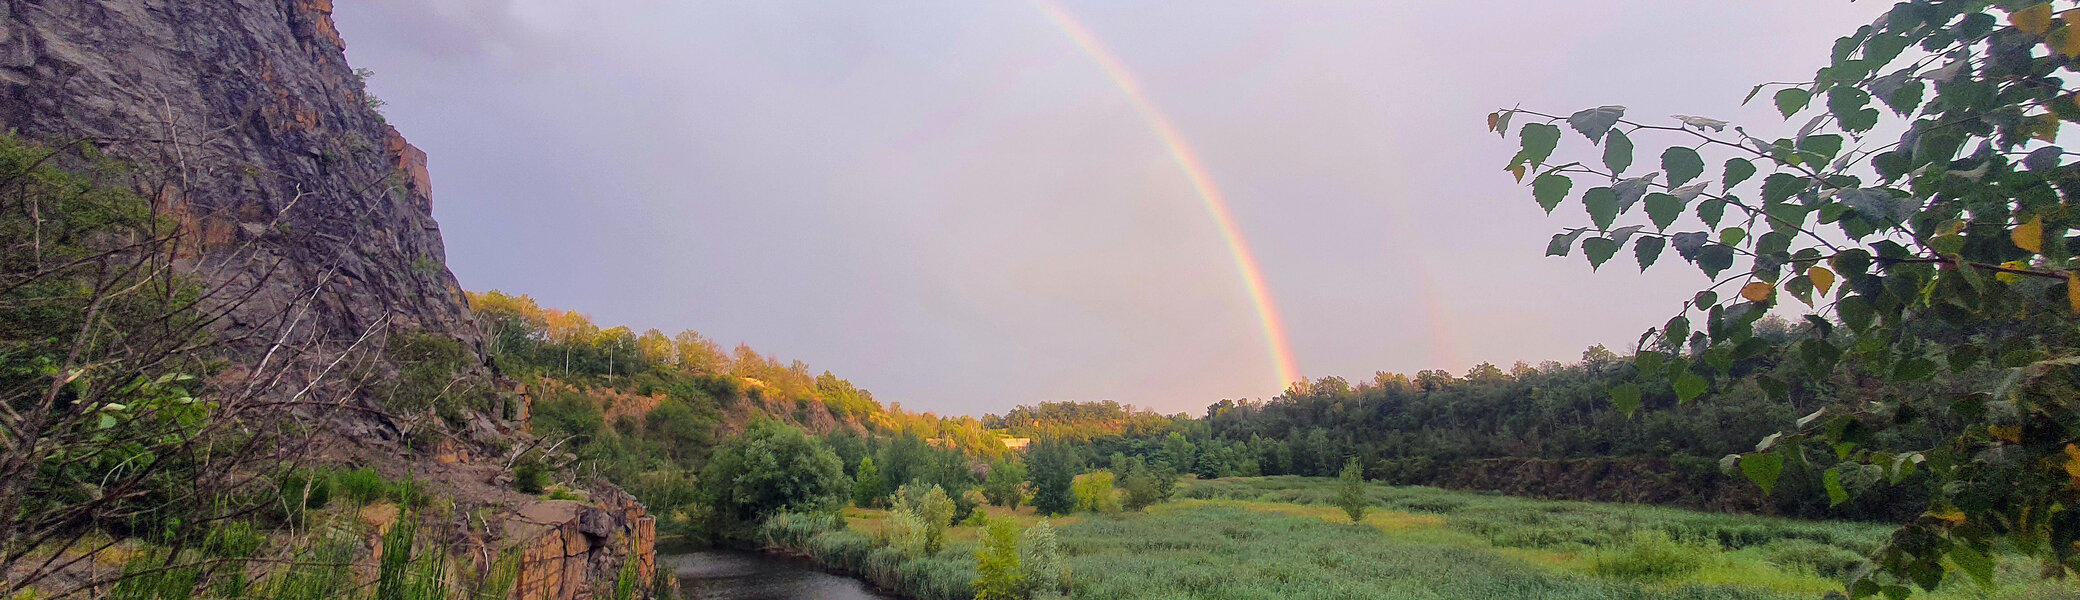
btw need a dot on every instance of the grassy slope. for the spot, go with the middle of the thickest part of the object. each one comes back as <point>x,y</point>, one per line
<point>1275,537</point>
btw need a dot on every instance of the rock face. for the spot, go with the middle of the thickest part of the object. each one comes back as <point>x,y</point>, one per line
<point>250,129</point>
<point>263,144</point>
<point>573,551</point>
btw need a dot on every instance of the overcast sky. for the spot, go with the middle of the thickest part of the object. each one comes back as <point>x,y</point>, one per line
<point>950,204</point>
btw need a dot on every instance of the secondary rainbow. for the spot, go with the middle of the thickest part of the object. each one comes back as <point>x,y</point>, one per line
<point>1195,172</point>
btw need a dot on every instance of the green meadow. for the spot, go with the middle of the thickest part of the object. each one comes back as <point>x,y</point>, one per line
<point>1280,538</point>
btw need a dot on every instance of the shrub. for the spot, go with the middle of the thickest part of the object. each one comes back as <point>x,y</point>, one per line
<point>771,468</point>
<point>569,414</point>
<point>1040,561</point>
<point>1651,555</point>
<point>903,532</point>
<point>1052,467</point>
<point>363,485</point>
<point>1005,485</point>
<point>866,488</point>
<point>997,572</point>
<point>1350,491</point>
<point>301,491</point>
<point>1141,490</point>
<point>1094,492</point>
<point>530,476</point>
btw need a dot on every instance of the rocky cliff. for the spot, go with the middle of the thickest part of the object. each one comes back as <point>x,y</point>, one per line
<point>312,221</point>
<point>260,139</point>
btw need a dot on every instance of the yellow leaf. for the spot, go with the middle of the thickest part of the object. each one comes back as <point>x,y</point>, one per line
<point>2007,433</point>
<point>1518,171</point>
<point>2073,462</point>
<point>2029,236</point>
<point>2011,277</point>
<point>2034,20</point>
<point>2073,290</point>
<point>2045,126</point>
<point>1823,279</point>
<point>1948,514</point>
<point>1757,291</point>
<point>2066,42</point>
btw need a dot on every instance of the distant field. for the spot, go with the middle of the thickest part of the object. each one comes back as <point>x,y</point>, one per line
<point>1278,538</point>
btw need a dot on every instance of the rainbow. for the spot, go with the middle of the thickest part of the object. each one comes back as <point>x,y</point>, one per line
<point>1194,171</point>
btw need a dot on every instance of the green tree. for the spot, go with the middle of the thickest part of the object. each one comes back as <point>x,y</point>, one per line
<point>866,489</point>
<point>1095,492</point>
<point>770,468</point>
<point>998,575</point>
<point>1005,485</point>
<point>1040,557</point>
<point>1053,471</point>
<point>1951,250</point>
<point>1350,491</point>
<point>937,510</point>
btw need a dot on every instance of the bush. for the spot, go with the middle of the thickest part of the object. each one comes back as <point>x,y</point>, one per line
<point>998,575</point>
<point>1094,492</point>
<point>1005,485</point>
<point>866,488</point>
<point>304,491</point>
<point>363,485</point>
<point>530,476</point>
<point>1040,561</point>
<point>1350,491</point>
<point>772,467</point>
<point>1651,555</point>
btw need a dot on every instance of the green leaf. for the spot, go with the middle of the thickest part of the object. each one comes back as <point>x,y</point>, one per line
<point>1836,495</point>
<point>1737,171</point>
<point>1914,369</point>
<point>1763,469</point>
<point>1689,387</point>
<point>1647,250</point>
<point>1663,210</point>
<point>1792,100</point>
<point>1617,151</point>
<point>1599,250</point>
<point>1550,189</point>
<point>1820,149</point>
<point>1682,165</point>
<point>1850,106</point>
<point>1779,187</point>
<point>1593,123</point>
<point>1714,258</point>
<point>1602,203</point>
<point>1539,141</point>
<point>1732,236</point>
<point>1710,211</point>
<point>1972,562</point>
<point>1625,398</point>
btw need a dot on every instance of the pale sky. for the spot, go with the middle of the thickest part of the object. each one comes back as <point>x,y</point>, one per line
<point>951,204</point>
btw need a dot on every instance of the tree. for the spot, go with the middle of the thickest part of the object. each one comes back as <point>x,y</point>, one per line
<point>998,575</point>
<point>772,467</point>
<point>866,489</point>
<point>1950,250</point>
<point>1053,469</point>
<point>1005,485</point>
<point>1095,492</point>
<point>1350,491</point>
<point>1046,574</point>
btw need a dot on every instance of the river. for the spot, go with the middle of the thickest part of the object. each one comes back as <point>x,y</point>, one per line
<point>739,575</point>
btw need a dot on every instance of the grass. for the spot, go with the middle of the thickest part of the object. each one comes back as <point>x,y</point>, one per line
<point>1281,537</point>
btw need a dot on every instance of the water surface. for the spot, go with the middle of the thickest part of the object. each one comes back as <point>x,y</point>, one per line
<point>738,575</point>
